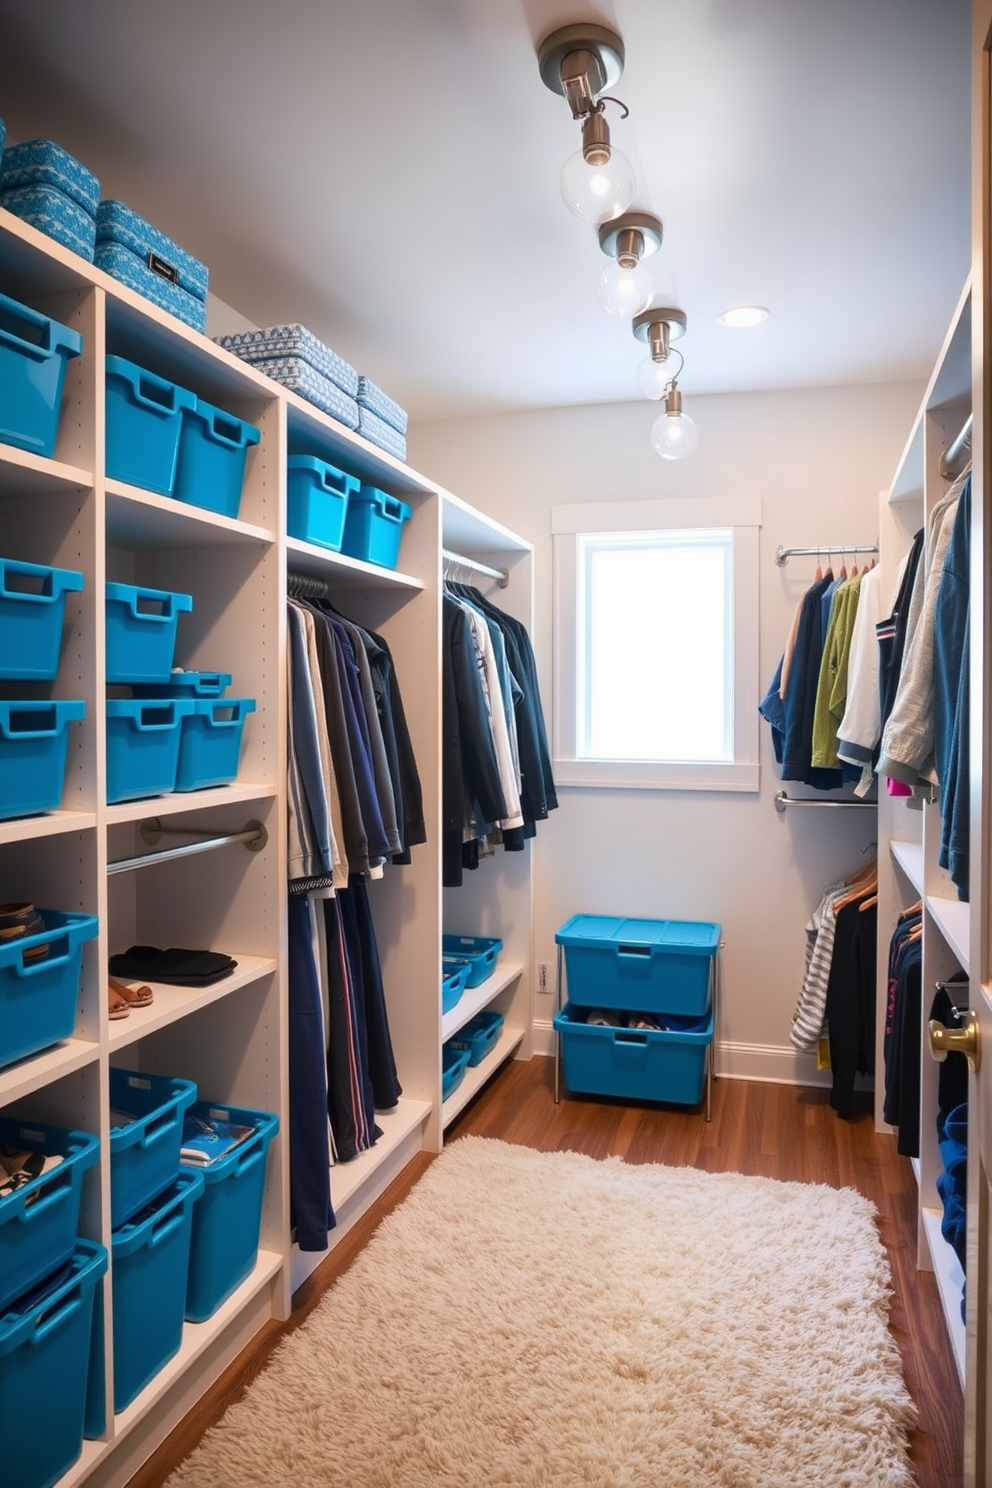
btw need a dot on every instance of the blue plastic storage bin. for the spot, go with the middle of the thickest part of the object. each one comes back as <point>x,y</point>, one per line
<point>38,992</point>
<point>659,966</point>
<point>479,1036</point>
<point>32,609</point>
<point>143,737</point>
<point>454,1063</point>
<point>186,684</point>
<point>34,350</point>
<point>44,1356</point>
<point>150,1269</point>
<point>34,744</point>
<point>480,952</point>
<point>39,1222</point>
<point>318,496</point>
<point>227,1217</point>
<point>136,253</point>
<point>373,526</point>
<point>454,975</point>
<point>210,742</point>
<point>213,452</point>
<point>141,632</point>
<point>146,1119</point>
<point>144,422</point>
<point>56,215</point>
<point>633,1063</point>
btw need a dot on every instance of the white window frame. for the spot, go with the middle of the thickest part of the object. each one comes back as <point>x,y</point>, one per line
<point>743,517</point>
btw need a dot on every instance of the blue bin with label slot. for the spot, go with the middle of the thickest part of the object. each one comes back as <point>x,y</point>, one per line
<point>210,742</point>
<point>45,1340</point>
<point>213,453</point>
<point>34,746</point>
<point>318,496</point>
<point>146,1121</point>
<point>34,350</point>
<point>39,1222</point>
<point>141,632</point>
<point>374,526</point>
<point>143,736</point>
<point>144,422</point>
<point>39,983</point>
<point>32,610</point>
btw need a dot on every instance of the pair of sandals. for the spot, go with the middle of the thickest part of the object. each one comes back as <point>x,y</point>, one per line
<point>122,998</point>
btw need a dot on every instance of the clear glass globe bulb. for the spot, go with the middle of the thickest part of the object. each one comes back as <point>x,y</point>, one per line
<point>653,378</point>
<point>674,436</point>
<point>597,193</point>
<point>624,292</point>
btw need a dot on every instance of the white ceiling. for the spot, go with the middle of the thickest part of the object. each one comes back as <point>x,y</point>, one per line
<point>386,171</point>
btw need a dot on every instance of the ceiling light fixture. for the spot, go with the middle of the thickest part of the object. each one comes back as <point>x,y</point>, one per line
<point>581,62</point>
<point>743,317</point>
<point>624,286</point>
<point>659,327</point>
<point>674,434</point>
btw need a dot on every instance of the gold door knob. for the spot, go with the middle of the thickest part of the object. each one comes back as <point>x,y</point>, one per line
<point>966,1040</point>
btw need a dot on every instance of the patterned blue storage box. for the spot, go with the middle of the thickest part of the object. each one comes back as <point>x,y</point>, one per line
<point>374,525</point>
<point>143,746</point>
<point>210,742</point>
<point>34,747</point>
<point>141,632</point>
<point>39,1222</point>
<point>300,378</point>
<point>34,350</point>
<point>39,988</point>
<point>41,162</point>
<point>146,1134</point>
<point>213,453</point>
<point>293,343</point>
<point>54,214</point>
<point>318,495</point>
<point>378,432</point>
<point>32,608</point>
<point>144,424</point>
<point>145,259</point>
<point>373,400</point>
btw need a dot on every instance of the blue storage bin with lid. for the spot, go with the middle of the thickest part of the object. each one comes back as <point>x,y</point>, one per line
<point>34,350</point>
<point>665,966</point>
<point>45,1339</point>
<point>454,975</point>
<point>210,742</point>
<point>479,1036</point>
<point>146,1131</point>
<point>374,526</point>
<point>32,609</point>
<point>141,632</point>
<point>454,1063</point>
<point>40,1220</point>
<point>481,952</point>
<point>133,251</point>
<point>318,495</point>
<point>633,1063</point>
<point>227,1217</point>
<point>144,422</point>
<point>34,747</point>
<point>39,983</point>
<point>143,737</point>
<point>213,453</point>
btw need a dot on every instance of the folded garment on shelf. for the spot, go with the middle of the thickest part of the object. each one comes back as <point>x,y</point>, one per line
<point>176,965</point>
<point>207,1141</point>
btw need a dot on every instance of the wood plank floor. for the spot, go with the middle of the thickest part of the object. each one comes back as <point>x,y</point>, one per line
<point>775,1131</point>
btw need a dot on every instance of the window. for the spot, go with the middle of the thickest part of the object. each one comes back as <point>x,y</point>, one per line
<point>656,632</point>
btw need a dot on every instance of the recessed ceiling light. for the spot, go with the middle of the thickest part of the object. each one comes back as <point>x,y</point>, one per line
<point>743,316</point>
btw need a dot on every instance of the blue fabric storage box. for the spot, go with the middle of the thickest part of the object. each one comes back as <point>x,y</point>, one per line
<point>186,684</point>
<point>379,433</point>
<point>481,952</point>
<point>454,1063</point>
<point>300,378</point>
<point>293,343</point>
<point>479,1036</point>
<point>227,1217</point>
<point>34,350</point>
<point>38,992</point>
<point>373,400</point>
<point>39,1222</point>
<point>454,975</point>
<point>32,608</point>
<point>374,525</point>
<point>210,742</point>
<point>144,422</point>
<point>146,1120</point>
<point>141,632</point>
<point>41,162</point>
<point>54,214</point>
<point>633,1063</point>
<point>213,452</point>
<point>318,495</point>
<point>660,966</point>
<point>150,1268</point>
<point>144,258</point>
<point>34,746</point>
<point>44,1354</point>
<point>143,736</point>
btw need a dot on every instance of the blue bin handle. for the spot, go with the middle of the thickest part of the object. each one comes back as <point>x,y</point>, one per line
<point>626,1038</point>
<point>144,719</point>
<point>47,1322</point>
<point>60,950</point>
<point>155,393</point>
<point>255,1152</point>
<point>393,509</point>
<point>224,428</point>
<point>48,344</point>
<point>166,1227</point>
<point>54,581</point>
<point>33,1205</point>
<point>634,950</point>
<point>10,730</point>
<point>238,708</point>
<point>159,1126</point>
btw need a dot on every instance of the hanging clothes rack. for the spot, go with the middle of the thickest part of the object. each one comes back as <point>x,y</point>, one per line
<point>961,444</point>
<point>254,837</point>
<point>305,586</point>
<point>782,802</point>
<point>501,575</point>
<point>782,555</point>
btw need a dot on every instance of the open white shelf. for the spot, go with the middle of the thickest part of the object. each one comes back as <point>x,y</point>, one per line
<point>353,573</point>
<point>953,920</point>
<point>143,519</point>
<point>187,801</point>
<point>28,828</point>
<point>474,999</point>
<point>25,474</point>
<point>347,1179</point>
<point>950,1280</point>
<point>39,1070</point>
<point>909,856</point>
<point>172,1002</point>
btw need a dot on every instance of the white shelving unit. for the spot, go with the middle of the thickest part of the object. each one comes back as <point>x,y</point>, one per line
<point>231,1038</point>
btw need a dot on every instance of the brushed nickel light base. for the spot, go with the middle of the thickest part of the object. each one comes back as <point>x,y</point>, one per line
<point>580,62</point>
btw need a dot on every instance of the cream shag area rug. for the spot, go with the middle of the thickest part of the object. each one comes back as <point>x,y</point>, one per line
<point>545,1319</point>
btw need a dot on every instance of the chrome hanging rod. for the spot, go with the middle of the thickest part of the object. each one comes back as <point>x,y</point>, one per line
<point>501,575</point>
<point>782,555</point>
<point>254,837</point>
<point>782,801</point>
<point>949,466</point>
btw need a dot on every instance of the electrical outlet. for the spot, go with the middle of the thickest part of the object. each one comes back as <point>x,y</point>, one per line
<point>543,977</point>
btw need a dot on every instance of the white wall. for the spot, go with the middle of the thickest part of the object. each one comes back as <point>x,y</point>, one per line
<point>818,459</point>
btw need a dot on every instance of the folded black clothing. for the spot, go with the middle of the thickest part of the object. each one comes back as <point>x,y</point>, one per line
<point>183,967</point>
